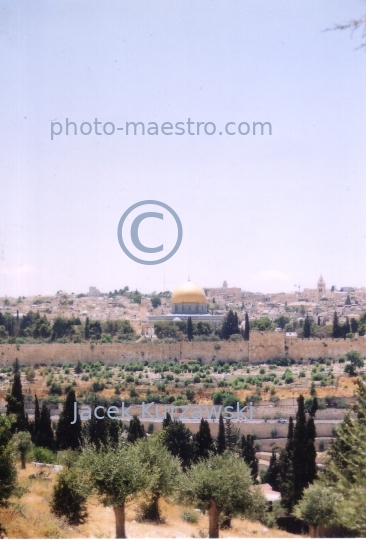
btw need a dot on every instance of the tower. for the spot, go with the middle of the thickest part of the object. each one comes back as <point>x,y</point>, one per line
<point>321,287</point>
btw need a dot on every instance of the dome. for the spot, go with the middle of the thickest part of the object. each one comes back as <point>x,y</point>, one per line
<point>189,292</point>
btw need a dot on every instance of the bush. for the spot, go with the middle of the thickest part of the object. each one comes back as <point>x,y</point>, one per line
<point>189,516</point>
<point>55,389</point>
<point>43,455</point>
<point>97,386</point>
<point>321,446</point>
<point>66,501</point>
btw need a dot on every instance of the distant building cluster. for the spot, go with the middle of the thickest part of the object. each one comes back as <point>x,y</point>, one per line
<point>201,304</point>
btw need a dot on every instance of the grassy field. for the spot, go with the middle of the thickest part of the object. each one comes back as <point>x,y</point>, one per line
<point>30,517</point>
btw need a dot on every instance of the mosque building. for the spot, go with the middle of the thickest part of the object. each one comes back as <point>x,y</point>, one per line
<point>188,300</point>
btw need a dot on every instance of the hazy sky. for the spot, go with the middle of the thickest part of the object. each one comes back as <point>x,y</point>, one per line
<point>263,212</point>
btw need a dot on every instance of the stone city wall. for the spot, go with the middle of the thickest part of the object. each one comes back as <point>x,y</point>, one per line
<point>261,347</point>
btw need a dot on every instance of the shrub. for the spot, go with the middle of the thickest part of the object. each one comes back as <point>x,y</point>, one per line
<point>55,389</point>
<point>189,516</point>
<point>97,386</point>
<point>43,455</point>
<point>66,501</point>
<point>321,446</point>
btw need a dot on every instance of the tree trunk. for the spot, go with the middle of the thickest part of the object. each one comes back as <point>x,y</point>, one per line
<point>225,522</point>
<point>155,508</point>
<point>213,518</point>
<point>119,512</point>
<point>313,531</point>
<point>22,460</point>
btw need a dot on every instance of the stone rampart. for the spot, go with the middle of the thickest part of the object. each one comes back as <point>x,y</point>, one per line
<point>261,347</point>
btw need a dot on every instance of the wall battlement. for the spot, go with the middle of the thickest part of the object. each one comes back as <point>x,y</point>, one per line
<point>261,347</point>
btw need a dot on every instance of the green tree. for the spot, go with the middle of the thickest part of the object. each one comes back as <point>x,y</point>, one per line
<point>221,438</point>
<point>178,440</point>
<point>15,404</point>
<point>304,454</point>
<point>203,443</point>
<point>115,475</point>
<point>87,329</point>
<point>285,469</point>
<point>45,436</point>
<point>167,420</point>
<point>247,327</point>
<point>355,362</point>
<point>346,472</point>
<point>8,472</point>
<point>22,443</point>
<point>189,329</point>
<point>67,501</point>
<point>222,484</point>
<point>307,327</point>
<point>337,328</point>
<point>136,430</point>
<point>164,472</point>
<point>155,301</point>
<point>247,452</point>
<point>317,507</point>
<point>354,325</point>
<point>346,328</point>
<point>348,301</point>
<point>272,472</point>
<point>281,321</point>
<point>69,434</point>
<point>230,325</point>
<point>79,368</point>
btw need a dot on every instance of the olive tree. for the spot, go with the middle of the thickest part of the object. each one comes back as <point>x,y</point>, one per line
<point>317,507</point>
<point>355,362</point>
<point>164,473</point>
<point>115,474</point>
<point>22,443</point>
<point>222,484</point>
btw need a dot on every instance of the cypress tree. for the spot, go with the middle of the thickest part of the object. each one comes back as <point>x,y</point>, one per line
<point>95,430</point>
<point>221,439</point>
<point>69,435</point>
<point>203,443</point>
<point>15,403</point>
<point>87,329</point>
<point>247,452</point>
<point>300,451</point>
<point>189,329</point>
<point>307,327</point>
<point>45,437</point>
<point>272,472</point>
<point>178,440</point>
<point>167,421</point>
<point>37,415</point>
<point>311,471</point>
<point>285,466</point>
<point>230,325</point>
<point>247,327</point>
<point>346,328</point>
<point>16,366</point>
<point>136,430</point>
<point>236,323</point>
<point>337,329</point>
<point>78,368</point>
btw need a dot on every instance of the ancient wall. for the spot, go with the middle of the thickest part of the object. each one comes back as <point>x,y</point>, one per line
<point>261,347</point>
<point>266,345</point>
<point>312,349</point>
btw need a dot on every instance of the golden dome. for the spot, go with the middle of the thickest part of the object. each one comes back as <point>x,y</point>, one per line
<point>189,292</point>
